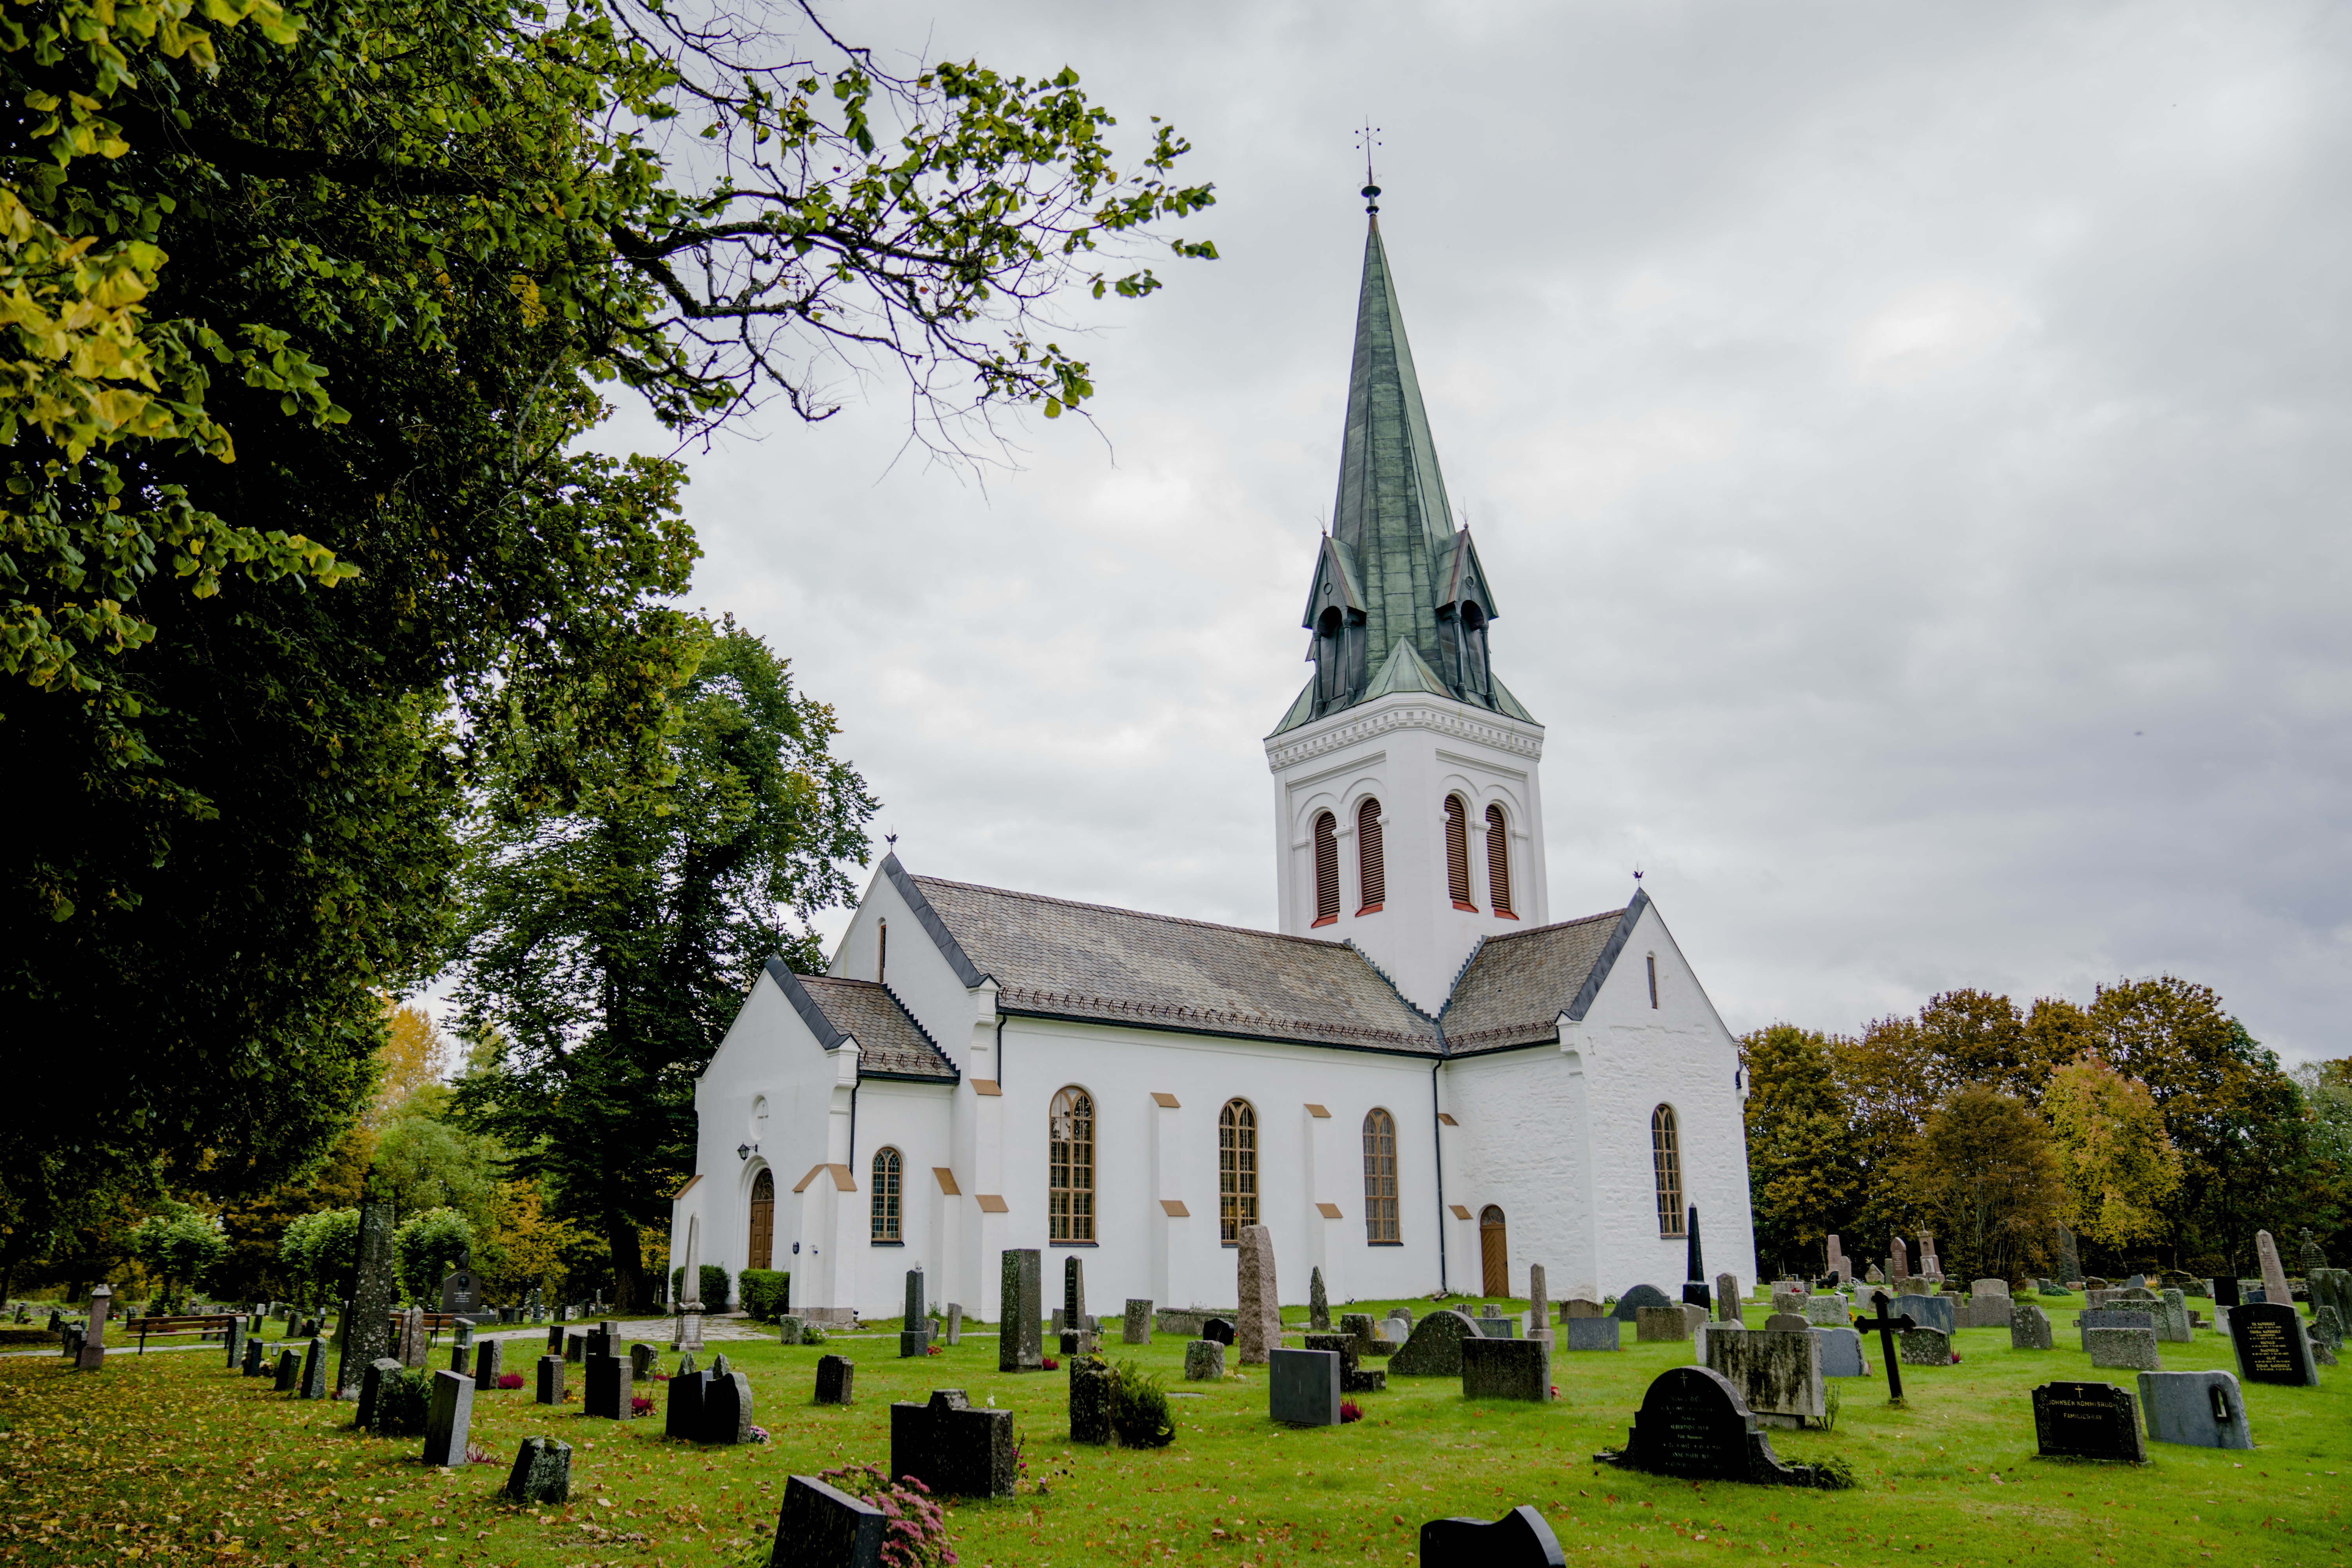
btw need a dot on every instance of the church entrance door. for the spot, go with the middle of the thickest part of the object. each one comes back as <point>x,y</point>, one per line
<point>763,1249</point>
<point>1494,1253</point>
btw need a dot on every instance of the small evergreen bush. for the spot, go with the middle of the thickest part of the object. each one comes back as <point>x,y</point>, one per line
<point>1140,1412</point>
<point>403,1402</point>
<point>767,1292</point>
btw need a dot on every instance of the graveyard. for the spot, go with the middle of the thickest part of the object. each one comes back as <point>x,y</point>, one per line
<point>173,1454</point>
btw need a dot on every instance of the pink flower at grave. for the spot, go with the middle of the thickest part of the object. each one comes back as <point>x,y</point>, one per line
<point>1350,1411</point>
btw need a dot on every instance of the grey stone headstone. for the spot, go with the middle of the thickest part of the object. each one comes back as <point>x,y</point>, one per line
<point>1359,1327</point>
<point>1988,1287</point>
<point>490,1363</point>
<point>235,1342</point>
<point>643,1360</point>
<point>1506,1369</point>
<point>1929,1311</point>
<point>550,1380</point>
<point>290,1371</point>
<point>1581,1307</point>
<point>1257,1331</point>
<point>1694,1425</point>
<point>1985,1312</point>
<point>1435,1347</point>
<point>1842,1352</point>
<point>835,1380</point>
<point>1205,1360</point>
<point>1498,1328</point>
<point>1630,1303</point>
<point>1019,1347</point>
<point>955,1324</point>
<point>314,1370</point>
<point>820,1526</point>
<point>575,1347</point>
<point>726,1410</point>
<point>371,1390</point>
<point>450,1421</point>
<point>367,1326</point>
<point>1660,1324</point>
<point>1826,1311</point>
<point>1520,1539</point>
<point>610,1389</point>
<point>541,1473</point>
<point>256,1355</point>
<point>2088,1421</point>
<point>1303,1387</point>
<point>1785,1323</point>
<point>2172,1319</point>
<point>1593,1333</point>
<point>2130,1349</point>
<point>2202,1409</point>
<point>918,1306</point>
<point>1319,1304</point>
<point>2029,1327</point>
<point>682,1411</point>
<point>917,1340</point>
<point>2270,1344</point>
<point>1727,1299</point>
<point>790,1329</point>
<point>953,1448</point>
<point>1924,1347</point>
<point>1353,1377</point>
<point>1093,1391</point>
<point>1777,1371</point>
<point>1136,1328</point>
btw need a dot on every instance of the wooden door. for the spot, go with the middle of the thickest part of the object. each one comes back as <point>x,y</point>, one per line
<point>1494,1253</point>
<point>763,1220</point>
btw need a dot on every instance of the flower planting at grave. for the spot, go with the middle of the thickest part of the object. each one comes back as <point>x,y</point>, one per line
<point>179,1458</point>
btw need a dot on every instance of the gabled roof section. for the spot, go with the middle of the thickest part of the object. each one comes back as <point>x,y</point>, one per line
<point>1056,959</point>
<point>1515,988</point>
<point>890,1043</point>
<point>928,918</point>
<point>1406,671</point>
<point>1464,577</point>
<point>1335,568</point>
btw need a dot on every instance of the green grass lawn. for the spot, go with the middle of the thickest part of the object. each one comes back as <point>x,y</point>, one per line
<point>169,1456</point>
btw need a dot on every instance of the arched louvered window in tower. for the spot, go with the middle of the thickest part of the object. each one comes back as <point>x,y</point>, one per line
<point>1666,1161</point>
<point>887,1169</point>
<point>1457,852</point>
<point>1070,1167</point>
<point>1498,863</point>
<point>1236,1168</point>
<point>1326,868</point>
<point>1371,862</point>
<point>1380,1178</point>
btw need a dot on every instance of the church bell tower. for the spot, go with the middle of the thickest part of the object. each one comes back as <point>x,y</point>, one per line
<point>1408,813</point>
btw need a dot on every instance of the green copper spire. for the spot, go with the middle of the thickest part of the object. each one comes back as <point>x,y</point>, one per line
<point>1394,571</point>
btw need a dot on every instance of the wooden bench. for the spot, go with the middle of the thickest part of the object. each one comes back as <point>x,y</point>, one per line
<point>200,1323</point>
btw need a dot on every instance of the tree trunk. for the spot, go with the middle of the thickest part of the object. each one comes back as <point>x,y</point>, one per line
<point>628,1265</point>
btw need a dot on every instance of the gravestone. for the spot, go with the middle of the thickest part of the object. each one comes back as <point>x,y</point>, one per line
<point>576,1346</point>
<point>821,1526</point>
<point>550,1380</point>
<point>1778,1372</point>
<point>1829,1312</point>
<point>1218,1329</point>
<point>1070,1321</point>
<point>1931,1311</point>
<point>1876,1276</point>
<point>1492,1327</point>
<point>1788,1323</point>
<point>1435,1347</point>
<point>1357,1327</point>
<point>1899,1262</point>
<point>726,1410</point>
<point>835,1380</point>
<point>451,1417</point>
<point>1594,1334</point>
<point>2172,1319</point>
<point>1581,1307</point>
<point>541,1473</point>
<point>1925,1347</point>
<point>489,1361</point>
<point>371,1390</point>
<point>2029,1327</point>
<point>2311,1257</point>
<point>1519,1539</point>
<point>1319,1305</point>
<point>2088,1421</point>
<point>1660,1324</point>
<point>1836,1254</point>
<point>1639,1295</point>
<point>2132,1349</point>
<point>290,1371</point>
<point>610,1389</point>
<point>1539,1302</point>
<point>235,1342</point>
<point>2274,1286</point>
<point>1727,1299</point>
<point>1136,1330</point>
<point>1303,1387</point>
<point>314,1370</point>
<point>914,1323</point>
<point>1353,1378</point>
<point>1506,1369</point>
<point>1694,1426</point>
<point>2111,1318</point>
<point>1841,1353</point>
<point>643,1360</point>
<point>682,1412</point>
<point>256,1355</point>
<point>2270,1346</point>
<point>555,1339</point>
<point>955,1324</point>
<point>2327,1334</point>
<point>1985,1312</point>
<point>461,1291</point>
<point>599,1341</point>
<point>1094,1390</point>
<point>951,1448</point>
<point>1258,1326</point>
<point>2070,1266</point>
<point>1019,1346</point>
<point>415,1342</point>
<point>791,1329</point>
<point>2201,1409</point>
<point>1205,1360</point>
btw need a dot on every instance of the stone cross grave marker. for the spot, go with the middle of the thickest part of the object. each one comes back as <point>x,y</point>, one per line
<point>1020,1346</point>
<point>2088,1421</point>
<point>451,1418</point>
<point>953,1448</point>
<point>2270,1346</point>
<point>1888,1326</point>
<point>1258,1331</point>
<point>1520,1539</point>
<point>1693,1425</point>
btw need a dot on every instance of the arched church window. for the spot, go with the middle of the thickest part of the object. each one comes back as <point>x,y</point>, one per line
<point>1666,1161</point>
<point>762,1250</point>
<point>1371,863</point>
<point>1498,862</point>
<point>1070,1167</point>
<point>1457,852</point>
<point>1327,867</point>
<point>1380,1178</point>
<point>1236,1169</point>
<point>887,1169</point>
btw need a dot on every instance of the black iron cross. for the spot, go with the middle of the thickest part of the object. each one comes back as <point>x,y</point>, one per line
<point>1887,1327</point>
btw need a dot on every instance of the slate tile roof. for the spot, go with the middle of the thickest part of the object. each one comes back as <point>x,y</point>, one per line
<point>1517,987</point>
<point>890,1042</point>
<point>1054,958</point>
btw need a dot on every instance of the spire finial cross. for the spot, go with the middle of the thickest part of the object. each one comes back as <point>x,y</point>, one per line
<point>1367,137</point>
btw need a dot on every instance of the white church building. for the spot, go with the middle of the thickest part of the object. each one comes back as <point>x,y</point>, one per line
<point>1421,1082</point>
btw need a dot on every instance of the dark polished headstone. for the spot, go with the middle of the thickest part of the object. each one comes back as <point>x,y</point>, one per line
<point>1093,1389</point>
<point>256,1355</point>
<point>2088,1421</point>
<point>1693,1424</point>
<point>1520,1539</point>
<point>1506,1369</point>
<point>835,1380</point>
<point>490,1364</point>
<point>314,1370</point>
<point>1218,1329</point>
<point>1639,1297</point>
<point>449,1420</point>
<point>953,1448</point>
<point>1303,1387</point>
<point>550,1380</point>
<point>682,1414</point>
<point>1020,1345</point>
<point>726,1409</point>
<point>541,1473</point>
<point>290,1373</point>
<point>821,1526</point>
<point>372,1389</point>
<point>611,1389</point>
<point>2270,1346</point>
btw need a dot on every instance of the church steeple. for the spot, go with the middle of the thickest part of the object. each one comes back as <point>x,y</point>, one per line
<point>1398,601</point>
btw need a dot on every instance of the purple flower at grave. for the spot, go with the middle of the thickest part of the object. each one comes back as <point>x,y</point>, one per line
<point>759,1434</point>
<point>1350,1411</point>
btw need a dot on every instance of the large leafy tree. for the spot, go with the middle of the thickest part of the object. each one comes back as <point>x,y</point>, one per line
<point>304,305</point>
<point>606,949</point>
<point>1983,1173</point>
<point>1803,1177</point>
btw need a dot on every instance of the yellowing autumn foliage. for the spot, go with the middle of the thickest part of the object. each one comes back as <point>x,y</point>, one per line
<point>2118,1163</point>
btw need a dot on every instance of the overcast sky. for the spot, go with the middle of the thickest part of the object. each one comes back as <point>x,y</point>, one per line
<point>1909,443</point>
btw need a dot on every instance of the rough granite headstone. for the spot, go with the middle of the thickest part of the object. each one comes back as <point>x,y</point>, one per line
<point>1924,1347</point>
<point>955,1324</point>
<point>791,1329</point>
<point>820,1526</point>
<point>1353,1378</point>
<point>835,1380</point>
<point>1639,1295</point>
<point>1519,1539</point>
<point>449,1420</point>
<point>314,1370</point>
<point>367,1326</point>
<point>1929,1311</point>
<point>2132,1349</point>
<point>643,1360</point>
<point>2172,1319</point>
<point>541,1473</point>
<point>1020,1346</point>
<point>2327,1334</point>
<point>1205,1360</point>
<point>2029,1327</point>
<point>1660,1324</point>
<point>1136,1330</point>
<point>1435,1347</point>
<point>2088,1421</point>
<point>1826,1311</point>
<point>1726,1297</point>
<point>1694,1426</point>
<point>1303,1387</point>
<point>610,1389</point>
<point>1506,1369</point>
<point>371,1390</point>
<point>234,1341</point>
<point>1258,1328</point>
<point>1539,1301</point>
<point>2201,1409</point>
<point>953,1449</point>
<point>1359,1327</point>
<point>550,1380</point>
<point>490,1361</point>
<point>2270,1344</point>
<point>2274,1286</point>
<point>1788,1323</point>
<point>290,1371</point>
<point>1594,1334</point>
<point>726,1410</point>
<point>1841,1353</point>
<point>1094,1391</point>
<point>1319,1305</point>
<point>1582,1307</point>
<point>1777,1370</point>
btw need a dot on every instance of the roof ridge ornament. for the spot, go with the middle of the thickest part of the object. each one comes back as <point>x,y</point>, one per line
<point>1367,138</point>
